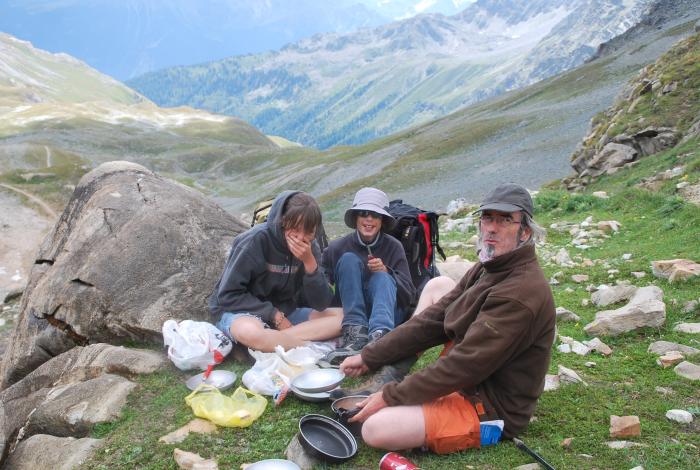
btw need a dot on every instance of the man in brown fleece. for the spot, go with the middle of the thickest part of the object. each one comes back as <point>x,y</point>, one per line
<point>497,325</point>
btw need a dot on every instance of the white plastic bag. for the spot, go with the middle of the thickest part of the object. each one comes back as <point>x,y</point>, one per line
<point>195,344</point>
<point>275,371</point>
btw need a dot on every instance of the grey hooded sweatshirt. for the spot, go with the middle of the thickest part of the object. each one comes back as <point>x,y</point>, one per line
<point>262,276</point>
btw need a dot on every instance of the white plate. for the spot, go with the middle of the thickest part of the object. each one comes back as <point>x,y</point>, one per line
<point>221,379</point>
<point>273,464</point>
<point>317,380</point>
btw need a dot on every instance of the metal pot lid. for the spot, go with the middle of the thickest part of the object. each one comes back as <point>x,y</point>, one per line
<point>221,379</point>
<point>326,438</point>
<point>318,380</point>
<point>273,464</point>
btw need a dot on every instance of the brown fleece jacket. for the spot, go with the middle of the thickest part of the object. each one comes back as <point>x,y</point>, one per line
<point>501,320</point>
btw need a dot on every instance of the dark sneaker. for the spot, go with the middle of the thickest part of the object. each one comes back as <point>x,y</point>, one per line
<point>376,334</point>
<point>354,338</point>
<point>391,373</point>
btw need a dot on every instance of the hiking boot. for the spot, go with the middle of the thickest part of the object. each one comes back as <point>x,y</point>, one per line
<point>391,373</point>
<point>354,338</point>
<point>376,334</point>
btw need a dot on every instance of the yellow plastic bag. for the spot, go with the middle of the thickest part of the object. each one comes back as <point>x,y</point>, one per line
<point>239,410</point>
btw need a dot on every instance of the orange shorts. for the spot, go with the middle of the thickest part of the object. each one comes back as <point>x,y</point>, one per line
<point>451,424</point>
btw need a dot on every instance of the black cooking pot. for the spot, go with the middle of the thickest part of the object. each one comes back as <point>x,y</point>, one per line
<point>326,439</point>
<point>345,408</point>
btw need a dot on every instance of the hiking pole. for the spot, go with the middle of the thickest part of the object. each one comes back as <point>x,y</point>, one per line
<point>521,445</point>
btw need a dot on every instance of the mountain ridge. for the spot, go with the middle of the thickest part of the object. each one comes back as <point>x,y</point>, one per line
<point>335,89</point>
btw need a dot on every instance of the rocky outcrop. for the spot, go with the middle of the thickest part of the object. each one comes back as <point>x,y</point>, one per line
<point>56,453</point>
<point>47,393</point>
<point>639,123</point>
<point>623,149</point>
<point>130,250</point>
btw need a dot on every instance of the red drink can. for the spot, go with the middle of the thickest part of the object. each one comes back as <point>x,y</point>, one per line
<point>394,461</point>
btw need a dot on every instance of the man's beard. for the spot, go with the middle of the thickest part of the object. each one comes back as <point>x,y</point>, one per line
<point>487,253</point>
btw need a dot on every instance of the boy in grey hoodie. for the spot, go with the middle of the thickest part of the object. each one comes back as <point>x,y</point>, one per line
<point>273,290</point>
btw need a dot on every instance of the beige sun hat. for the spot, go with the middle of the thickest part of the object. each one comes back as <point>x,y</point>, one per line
<point>370,199</point>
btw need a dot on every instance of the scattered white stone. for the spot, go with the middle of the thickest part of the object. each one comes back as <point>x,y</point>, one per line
<point>682,185</point>
<point>638,467</point>
<point>197,425</point>
<point>564,348</point>
<point>190,461</point>
<point>690,306</point>
<point>566,315</point>
<point>645,309</point>
<point>627,256</point>
<point>638,274</point>
<point>579,278</point>
<point>568,376</point>
<point>597,345</point>
<point>609,226</point>
<point>553,282</point>
<point>664,390</point>
<point>584,302</point>
<point>529,466</point>
<point>590,364</point>
<point>613,271</point>
<point>679,416</point>
<point>562,258</point>
<point>663,347</point>
<point>691,328</point>
<point>625,426</point>
<point>675,269</point>
<point>688,370</point>
<point>623,444</point>
<point>607,295</point>
<point>670,359</point>
<point>600,194</point>
<point>2,322</point>
<point>586,456</point>
<point>569,290</point>
<point>551,382</point>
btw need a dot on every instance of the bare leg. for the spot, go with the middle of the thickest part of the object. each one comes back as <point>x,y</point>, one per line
<point>433,291</point>
<point>395,428</point>
<point>250,332</point>
<point>320,326</point>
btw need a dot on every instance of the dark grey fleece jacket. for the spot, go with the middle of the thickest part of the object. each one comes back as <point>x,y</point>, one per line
<point>261,274</point>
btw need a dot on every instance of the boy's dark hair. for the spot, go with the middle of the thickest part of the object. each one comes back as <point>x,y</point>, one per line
<point>301,211</point>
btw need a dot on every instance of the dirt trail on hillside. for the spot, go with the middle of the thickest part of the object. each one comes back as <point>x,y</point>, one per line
<point>21,231</point>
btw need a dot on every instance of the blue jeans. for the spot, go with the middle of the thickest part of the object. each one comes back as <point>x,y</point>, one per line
<point>368,299</point>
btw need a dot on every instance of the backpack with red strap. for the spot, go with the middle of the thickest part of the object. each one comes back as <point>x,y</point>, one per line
<point>418,232</point>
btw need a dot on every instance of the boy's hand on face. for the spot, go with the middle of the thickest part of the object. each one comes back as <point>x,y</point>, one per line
<point>301,250</point>
<point>376,265</point>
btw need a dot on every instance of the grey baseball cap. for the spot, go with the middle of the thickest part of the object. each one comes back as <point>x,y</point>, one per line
<point>370,199</point>
<point>508,197</point>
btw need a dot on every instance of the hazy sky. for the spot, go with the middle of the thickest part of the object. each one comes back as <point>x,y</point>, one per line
<point>126,38</point>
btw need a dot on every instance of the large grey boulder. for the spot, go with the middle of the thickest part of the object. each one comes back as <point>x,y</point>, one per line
<point>74,409</point>
<point>645,309</point>
<point>49,452</point>
<point>612,294</point>
<point>130,251</point>
<point>663,347</point>
<point>79,364</point>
